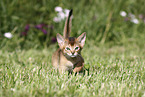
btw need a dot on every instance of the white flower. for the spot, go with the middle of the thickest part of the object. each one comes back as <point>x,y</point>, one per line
<point>133,18</point>
<point>61,15</point>
<point>56,19</point>
<point>135,21</point>
<point>8,35</point>
<point>58,9</point>
<point>66,12</point>
<point>123,13</point>
<point>132,15</point>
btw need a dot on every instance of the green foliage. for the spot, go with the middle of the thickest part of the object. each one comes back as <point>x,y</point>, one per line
<point>99,18</point>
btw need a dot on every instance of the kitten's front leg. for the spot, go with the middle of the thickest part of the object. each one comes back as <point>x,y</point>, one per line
<point>78,67</point>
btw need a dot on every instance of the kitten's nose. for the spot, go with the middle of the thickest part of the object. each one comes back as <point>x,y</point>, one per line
<point>73,53</point>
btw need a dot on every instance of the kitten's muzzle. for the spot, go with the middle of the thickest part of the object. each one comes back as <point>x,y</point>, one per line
<point>73,53</point>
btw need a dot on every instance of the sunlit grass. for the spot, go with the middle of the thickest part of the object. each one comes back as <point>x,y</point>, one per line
<point>30,73</point>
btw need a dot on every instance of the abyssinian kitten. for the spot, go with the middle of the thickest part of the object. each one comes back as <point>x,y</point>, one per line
<point>68,56</point>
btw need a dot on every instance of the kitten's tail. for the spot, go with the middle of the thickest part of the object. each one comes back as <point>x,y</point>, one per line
<point>67,27</point>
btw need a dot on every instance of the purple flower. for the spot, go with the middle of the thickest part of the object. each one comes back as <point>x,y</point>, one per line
<point>44,31</point>
<point>23,33</point>
<point>40,26</point>
<point>53,40</point>
<point>126,19</point>
<point>141,16</point>
<point>51,27</point>
<point>27,28</point>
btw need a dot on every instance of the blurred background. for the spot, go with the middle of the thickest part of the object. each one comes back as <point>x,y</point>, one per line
<point>26,24</point>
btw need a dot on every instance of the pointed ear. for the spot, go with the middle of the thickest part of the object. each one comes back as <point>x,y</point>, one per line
<point>60,40</point>
<point>81,39</point>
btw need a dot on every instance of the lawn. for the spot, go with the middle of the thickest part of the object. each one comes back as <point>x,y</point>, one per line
<point>114,52</point>
<point>110,71</point>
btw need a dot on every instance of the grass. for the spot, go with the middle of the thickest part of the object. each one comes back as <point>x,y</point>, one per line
<point>114,52</point>
<point>113,71</point>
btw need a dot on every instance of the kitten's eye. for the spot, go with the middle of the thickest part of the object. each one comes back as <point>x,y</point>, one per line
<point>77,48</point>
<point>67,48</point>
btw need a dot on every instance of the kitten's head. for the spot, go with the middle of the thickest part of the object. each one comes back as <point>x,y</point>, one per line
<point>71,47</point>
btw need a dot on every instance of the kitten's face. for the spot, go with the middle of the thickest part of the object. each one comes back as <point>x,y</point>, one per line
<point>72,46</point>
<point>71,50</point>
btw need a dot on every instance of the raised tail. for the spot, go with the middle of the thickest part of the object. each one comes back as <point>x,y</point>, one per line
<point>67,27</point>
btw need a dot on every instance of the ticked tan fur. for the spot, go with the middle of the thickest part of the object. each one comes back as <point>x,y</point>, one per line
<point>68,56</point>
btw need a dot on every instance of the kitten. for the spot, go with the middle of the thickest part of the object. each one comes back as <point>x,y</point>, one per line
<point>68,56</point>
